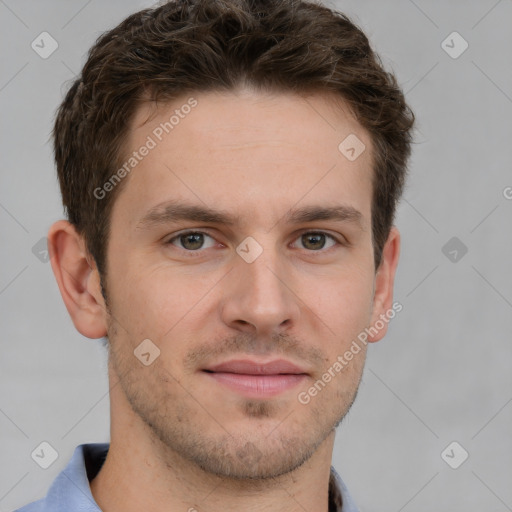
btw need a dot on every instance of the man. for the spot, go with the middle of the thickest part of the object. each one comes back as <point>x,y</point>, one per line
<point>230,172</point>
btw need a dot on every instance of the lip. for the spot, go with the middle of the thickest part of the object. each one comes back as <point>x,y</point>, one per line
<point>250,367</point>
<point>256,379</point>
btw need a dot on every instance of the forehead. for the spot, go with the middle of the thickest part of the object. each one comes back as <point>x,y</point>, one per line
<point>256,152</point>
<point>246,113</point>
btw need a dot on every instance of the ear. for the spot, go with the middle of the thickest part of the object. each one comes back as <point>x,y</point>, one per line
<point>384,282</point>
<point>78,279</point>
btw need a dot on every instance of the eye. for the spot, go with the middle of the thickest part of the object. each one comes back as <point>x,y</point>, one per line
<point>191,240</point>
<point>316,240</point>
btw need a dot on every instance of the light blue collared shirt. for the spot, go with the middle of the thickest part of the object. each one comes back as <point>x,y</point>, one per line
<point>70,491</point>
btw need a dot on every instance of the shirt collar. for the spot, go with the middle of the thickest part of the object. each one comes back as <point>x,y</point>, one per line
<point>340,499</point>
<point>71,491</point>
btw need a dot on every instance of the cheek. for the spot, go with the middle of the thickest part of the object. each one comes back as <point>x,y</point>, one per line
<point>158,301</point>
<point>344,303</point>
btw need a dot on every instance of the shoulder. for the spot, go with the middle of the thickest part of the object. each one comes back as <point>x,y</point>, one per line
<point>35,506</point>
<point>70,490</point>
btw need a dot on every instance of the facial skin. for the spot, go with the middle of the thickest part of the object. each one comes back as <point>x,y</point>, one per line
<point>177,433</point>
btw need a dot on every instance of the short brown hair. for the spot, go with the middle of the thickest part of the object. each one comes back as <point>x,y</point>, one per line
<point>187,46</point>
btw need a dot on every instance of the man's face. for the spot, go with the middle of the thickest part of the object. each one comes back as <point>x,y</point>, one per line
<point>257,159</point>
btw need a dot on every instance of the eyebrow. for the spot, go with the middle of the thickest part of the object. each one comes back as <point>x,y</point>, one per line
<point>173,211</point>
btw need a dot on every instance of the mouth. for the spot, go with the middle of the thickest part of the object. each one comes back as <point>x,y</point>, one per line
<point>256,379</point>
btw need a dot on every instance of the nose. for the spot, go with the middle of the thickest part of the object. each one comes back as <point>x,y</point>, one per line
<point>259,298</point>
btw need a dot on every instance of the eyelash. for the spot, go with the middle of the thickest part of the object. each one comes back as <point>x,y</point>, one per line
<point>201,250</point>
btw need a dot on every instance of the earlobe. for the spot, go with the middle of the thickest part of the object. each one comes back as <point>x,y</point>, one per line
<point>78,281</point>
<point>384,283</point>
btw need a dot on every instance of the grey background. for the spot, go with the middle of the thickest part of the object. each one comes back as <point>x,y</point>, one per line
<point>442,374</point>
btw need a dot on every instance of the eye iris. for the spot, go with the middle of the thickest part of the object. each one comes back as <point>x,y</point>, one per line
<point>195,239</point>
<point>317,239</point>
